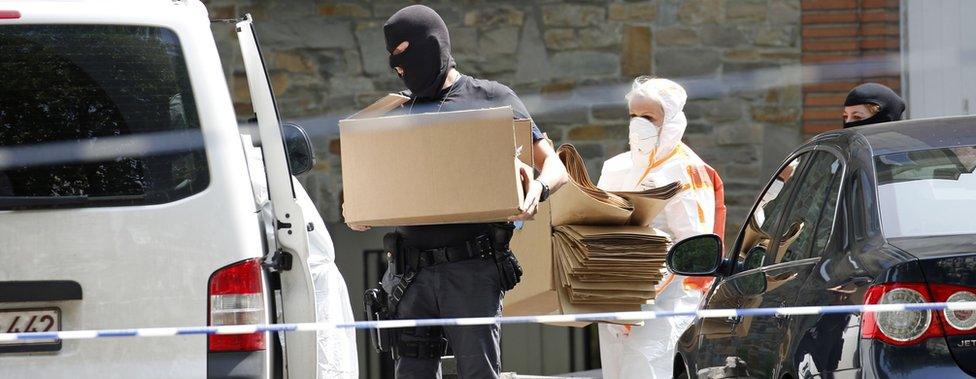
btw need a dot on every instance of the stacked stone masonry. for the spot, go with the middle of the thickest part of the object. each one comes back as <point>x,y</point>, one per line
<point>572,63</point>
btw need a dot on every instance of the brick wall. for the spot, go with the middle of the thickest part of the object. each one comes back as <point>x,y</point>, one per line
<point>850,42</point>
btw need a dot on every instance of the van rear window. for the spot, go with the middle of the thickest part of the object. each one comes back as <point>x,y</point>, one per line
<point>96,115</point>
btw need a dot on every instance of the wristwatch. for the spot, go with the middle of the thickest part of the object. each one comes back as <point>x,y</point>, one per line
<point>545,191</point>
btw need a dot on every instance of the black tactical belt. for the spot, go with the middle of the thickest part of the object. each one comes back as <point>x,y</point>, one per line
<point>478,247</point>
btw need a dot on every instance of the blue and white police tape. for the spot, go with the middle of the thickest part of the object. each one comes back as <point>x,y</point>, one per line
<point>544,319</point>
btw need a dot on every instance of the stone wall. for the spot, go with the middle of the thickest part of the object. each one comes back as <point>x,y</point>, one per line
<point>572,63</point>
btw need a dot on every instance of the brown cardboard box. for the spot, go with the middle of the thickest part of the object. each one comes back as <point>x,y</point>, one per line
<point>532,245</point>
<point>523,141</point>
<point>430,168</point>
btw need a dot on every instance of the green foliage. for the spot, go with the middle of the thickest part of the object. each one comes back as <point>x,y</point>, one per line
<point>76,84</point>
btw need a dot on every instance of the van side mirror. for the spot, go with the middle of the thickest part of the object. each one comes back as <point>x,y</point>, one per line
<point>696,256</point>
<point>298,147</point>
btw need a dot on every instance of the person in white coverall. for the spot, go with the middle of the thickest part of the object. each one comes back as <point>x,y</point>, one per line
<point>336,348</point>
<point>658,157</point>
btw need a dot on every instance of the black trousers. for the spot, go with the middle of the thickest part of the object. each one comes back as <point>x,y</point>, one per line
<point>469,288</point>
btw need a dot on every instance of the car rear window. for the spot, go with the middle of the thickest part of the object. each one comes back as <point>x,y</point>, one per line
<point>96,115</point>
<point>927,192</point>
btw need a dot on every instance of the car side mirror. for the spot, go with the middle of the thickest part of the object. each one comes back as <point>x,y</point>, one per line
<point>298,147</point>
<point>696,256</point>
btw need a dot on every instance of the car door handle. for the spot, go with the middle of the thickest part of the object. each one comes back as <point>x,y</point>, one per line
<point>851,285</point>
<point>733,320</point>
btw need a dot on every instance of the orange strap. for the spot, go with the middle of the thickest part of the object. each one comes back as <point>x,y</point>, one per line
<point>697,283</point>
<point>667,282</point>
<point>652,164</point>
<point>720,208</point>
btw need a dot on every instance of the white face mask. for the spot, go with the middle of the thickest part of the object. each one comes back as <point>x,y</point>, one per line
<point>643,136</point>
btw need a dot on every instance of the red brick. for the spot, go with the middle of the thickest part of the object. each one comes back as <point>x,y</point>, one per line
<point>811,128</point>
<point>890,81</point>
<point>830,87</point>
<point>886,43</point>
<point>868,4</point>
<point>826,58</point>
<point>880,30</point>
<point>839,45</point>
<point>824,100</point>
<point>828,18</point>
<point>823,113</point>
<point>879,16</point>
<point>828,4</point>
<point>834,31</point>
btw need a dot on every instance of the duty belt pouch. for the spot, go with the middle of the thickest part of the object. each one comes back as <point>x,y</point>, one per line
<point>509,269</point>
<point>424,342</point>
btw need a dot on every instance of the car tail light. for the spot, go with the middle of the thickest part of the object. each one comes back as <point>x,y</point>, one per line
<point>237,298</point>
<point>8,15</point>
<point>900,328</point>
<point>957,322</point>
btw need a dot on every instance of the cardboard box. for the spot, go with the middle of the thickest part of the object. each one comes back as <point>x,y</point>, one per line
<point>523,141</point>
<point>431,168</point>
<point>532,245</point>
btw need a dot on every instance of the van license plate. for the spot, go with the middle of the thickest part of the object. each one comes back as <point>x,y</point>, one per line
<point>30,320</point>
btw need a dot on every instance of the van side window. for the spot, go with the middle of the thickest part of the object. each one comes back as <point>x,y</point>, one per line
<point>96,115</point>
<point>759,230</point>
<point>811,216</point>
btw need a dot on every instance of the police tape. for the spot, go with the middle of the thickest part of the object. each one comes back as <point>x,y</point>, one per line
<point>542,319</point>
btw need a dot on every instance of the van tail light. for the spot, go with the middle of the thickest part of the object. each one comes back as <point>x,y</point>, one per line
<point>9,15</point>
<point>237,298</point>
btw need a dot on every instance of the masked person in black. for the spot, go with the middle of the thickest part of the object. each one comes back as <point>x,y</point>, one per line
<point>445,267</point>
<point>872,103</point>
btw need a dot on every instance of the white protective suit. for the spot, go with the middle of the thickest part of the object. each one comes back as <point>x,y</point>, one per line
<point>658,157</point>
<point>336,349</point>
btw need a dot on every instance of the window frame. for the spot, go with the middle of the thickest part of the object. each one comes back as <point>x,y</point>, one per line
<point>802,171</point>
<point>799,172</point>
<point>837,181</point>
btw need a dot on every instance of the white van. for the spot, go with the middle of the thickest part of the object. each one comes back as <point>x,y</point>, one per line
<point>126,200</point>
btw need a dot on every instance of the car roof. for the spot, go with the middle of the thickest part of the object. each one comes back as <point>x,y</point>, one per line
<point>911,135</point>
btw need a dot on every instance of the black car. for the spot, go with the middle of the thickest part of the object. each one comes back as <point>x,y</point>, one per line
<point>872,215</point>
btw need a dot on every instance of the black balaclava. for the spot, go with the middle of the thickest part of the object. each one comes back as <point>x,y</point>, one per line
<point>890,103</point>
<point>427,60</point>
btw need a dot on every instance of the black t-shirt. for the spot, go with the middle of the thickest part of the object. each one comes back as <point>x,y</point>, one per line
<point>466,93</point>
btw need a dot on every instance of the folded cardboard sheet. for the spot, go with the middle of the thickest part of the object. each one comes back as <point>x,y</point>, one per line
<point>580,202</point>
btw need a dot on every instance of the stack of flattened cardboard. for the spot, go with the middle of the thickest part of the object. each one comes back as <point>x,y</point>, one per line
<point>605,256</point>
<point>603,268</point>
